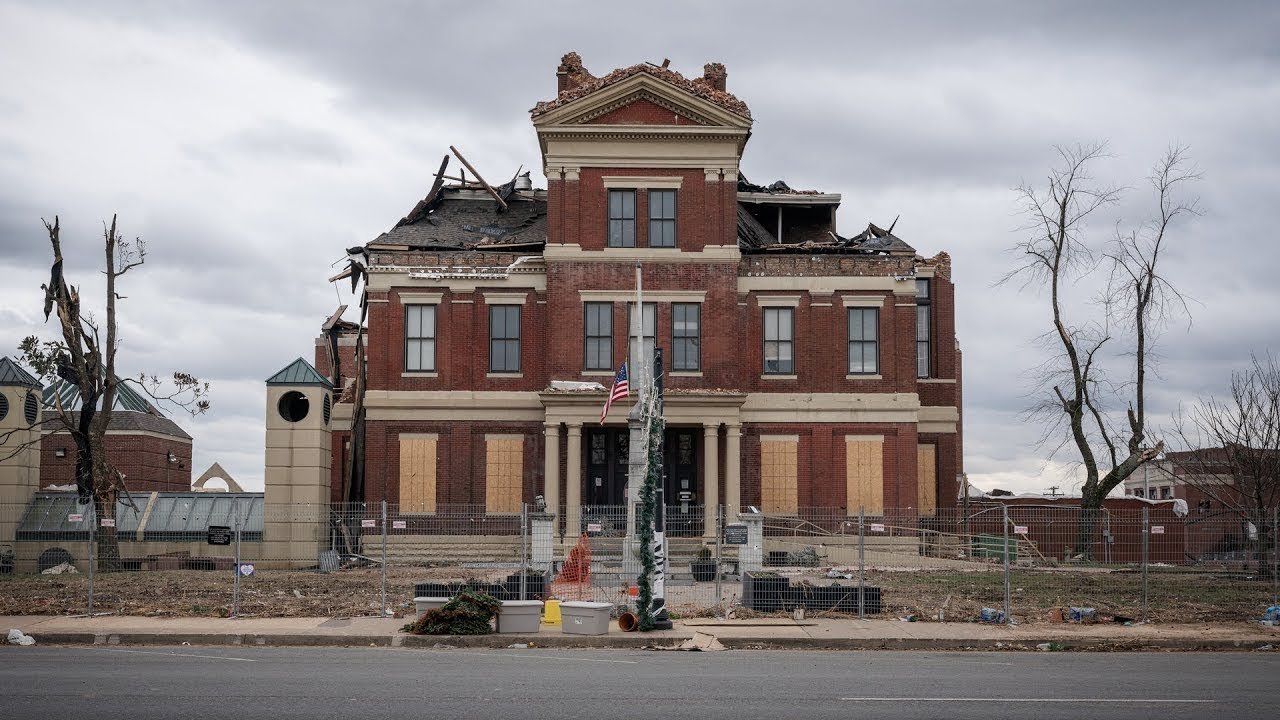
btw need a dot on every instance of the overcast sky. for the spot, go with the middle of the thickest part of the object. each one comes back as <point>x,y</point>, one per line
<point>250,142</point>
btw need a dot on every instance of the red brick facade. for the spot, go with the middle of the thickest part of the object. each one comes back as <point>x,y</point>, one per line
<point>141,457</point>
<point>819,402</point>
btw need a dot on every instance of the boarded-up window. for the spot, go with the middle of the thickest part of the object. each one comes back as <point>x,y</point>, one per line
<point>778,473</point>
<point>927,479</point>
<point>864,474</point>
<point>417,473</point>
<point>504,472</point>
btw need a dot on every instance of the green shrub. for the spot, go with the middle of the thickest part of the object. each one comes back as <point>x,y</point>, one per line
<point>467,613</point>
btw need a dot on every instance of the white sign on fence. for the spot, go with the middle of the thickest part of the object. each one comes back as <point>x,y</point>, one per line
<point>399,524</point>
<point>877,527</point>
<point>594,527</point>
<point>1019,529</point>
<point>75,518</point>
<point>1157,529</point>
<point>246,569</point>
<point>108,522</point>
<point>368,523</point>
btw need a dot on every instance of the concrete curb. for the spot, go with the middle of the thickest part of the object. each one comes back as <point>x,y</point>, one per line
<point>639,641</point>
<point>1065,644</point>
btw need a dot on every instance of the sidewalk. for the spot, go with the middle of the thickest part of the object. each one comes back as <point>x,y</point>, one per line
<point>811,634</point>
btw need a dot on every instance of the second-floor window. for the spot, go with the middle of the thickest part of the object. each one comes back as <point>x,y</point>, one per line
<point>649,332</point>
<point>622,218</point>
<point>779,358</point>
<point>686,336</point>
<point>598,329</point>
<point>923,366</point>
<point>504,338</point>
<point>420,338</point>
<point>864,341</point>
<point>662,218</point>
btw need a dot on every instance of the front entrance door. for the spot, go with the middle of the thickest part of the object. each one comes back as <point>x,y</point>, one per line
<point>606,477</point>
<point>683,493</point>
<point>604,483</point>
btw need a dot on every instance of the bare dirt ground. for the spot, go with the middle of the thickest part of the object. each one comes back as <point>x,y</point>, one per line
<point>1174,597</point>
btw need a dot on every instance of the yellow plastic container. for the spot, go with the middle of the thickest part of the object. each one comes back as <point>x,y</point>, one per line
<point>551,612</point>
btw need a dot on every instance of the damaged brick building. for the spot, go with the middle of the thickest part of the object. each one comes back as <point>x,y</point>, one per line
<point>805,368</point>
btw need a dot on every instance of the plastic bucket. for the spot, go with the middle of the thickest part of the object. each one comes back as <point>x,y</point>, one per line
<point>551,612</point>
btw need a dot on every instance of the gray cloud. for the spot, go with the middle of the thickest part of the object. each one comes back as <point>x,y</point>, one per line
<point>277,141</point>
<point>284,132</point>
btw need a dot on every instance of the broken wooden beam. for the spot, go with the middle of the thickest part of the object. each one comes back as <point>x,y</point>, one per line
<point>501,203</point>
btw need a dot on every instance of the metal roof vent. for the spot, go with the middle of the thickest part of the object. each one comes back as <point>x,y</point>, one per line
<point>523,182</point>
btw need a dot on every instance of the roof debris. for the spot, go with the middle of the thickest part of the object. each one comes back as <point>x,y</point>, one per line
<point>578,83</point>
<point>778,187</point>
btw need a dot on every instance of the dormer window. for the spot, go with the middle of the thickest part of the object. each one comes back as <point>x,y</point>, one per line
<point>622,218</point>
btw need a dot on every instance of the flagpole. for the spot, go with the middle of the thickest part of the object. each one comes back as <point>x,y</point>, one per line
<point>642,387</point>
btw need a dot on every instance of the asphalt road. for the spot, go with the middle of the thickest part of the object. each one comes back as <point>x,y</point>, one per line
<point>206,683</point>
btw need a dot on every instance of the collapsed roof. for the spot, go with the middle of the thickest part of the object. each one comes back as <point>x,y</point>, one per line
<point>466,219</point>
<point>470,214</point>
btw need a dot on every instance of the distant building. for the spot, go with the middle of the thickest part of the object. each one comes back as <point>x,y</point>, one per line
<point>1185,476</point>
<point>150,450</point>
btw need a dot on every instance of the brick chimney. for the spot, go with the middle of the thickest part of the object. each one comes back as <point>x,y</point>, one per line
<point>714,75</point>
<point>570,72</point>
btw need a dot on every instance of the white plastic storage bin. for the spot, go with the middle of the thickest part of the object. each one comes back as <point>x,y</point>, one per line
<point>585,618</point>
<point>423,604</point>
<point>520,616</point>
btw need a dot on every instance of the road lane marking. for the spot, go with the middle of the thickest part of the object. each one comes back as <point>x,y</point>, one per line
<point>1026,700</point>
<point>175,654</point>
<point>533,657</point>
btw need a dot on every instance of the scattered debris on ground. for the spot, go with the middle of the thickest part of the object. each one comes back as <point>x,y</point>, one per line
<point>17,637</point>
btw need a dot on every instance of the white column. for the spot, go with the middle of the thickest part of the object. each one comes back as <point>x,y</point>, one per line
<point>551,469</point>
<point>573,483</point>
<point>710,478</point>
<point>732,471</point>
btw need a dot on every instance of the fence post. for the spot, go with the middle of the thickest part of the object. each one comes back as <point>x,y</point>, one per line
<point>1146,546</point>
<point>1008,599</point>
<point>1275,555</point>
<point>862,581</point>
<point>384,557</point>
<point>524,548</point>
<point>719,560</point>
<point>235,593</point>
<point>93,555</point>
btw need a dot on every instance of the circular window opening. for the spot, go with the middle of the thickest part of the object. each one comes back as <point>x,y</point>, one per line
<point>293,406</point>
<point>32,409</point>
<point>4,405</point>
<point>328,406</point>
<point>53,557</point>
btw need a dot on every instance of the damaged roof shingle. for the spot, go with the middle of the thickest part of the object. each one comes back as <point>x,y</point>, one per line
<point>467,219</point>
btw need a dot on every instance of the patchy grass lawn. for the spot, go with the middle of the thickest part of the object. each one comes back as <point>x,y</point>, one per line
<point>184,593</point>
<point>1175,597</point>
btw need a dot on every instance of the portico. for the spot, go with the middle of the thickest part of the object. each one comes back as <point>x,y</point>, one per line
<point>701,426</point>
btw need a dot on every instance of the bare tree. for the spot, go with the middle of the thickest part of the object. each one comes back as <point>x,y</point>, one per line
<point>1232,444</point>
<point>1136,305</point>
<point>85,357</point>
<point>1232,454</point>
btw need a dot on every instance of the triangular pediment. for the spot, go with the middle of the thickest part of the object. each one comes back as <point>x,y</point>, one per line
<point>643,108</point>
<point>629,101</point>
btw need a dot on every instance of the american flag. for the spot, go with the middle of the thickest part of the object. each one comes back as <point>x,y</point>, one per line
<point>620,390</point>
